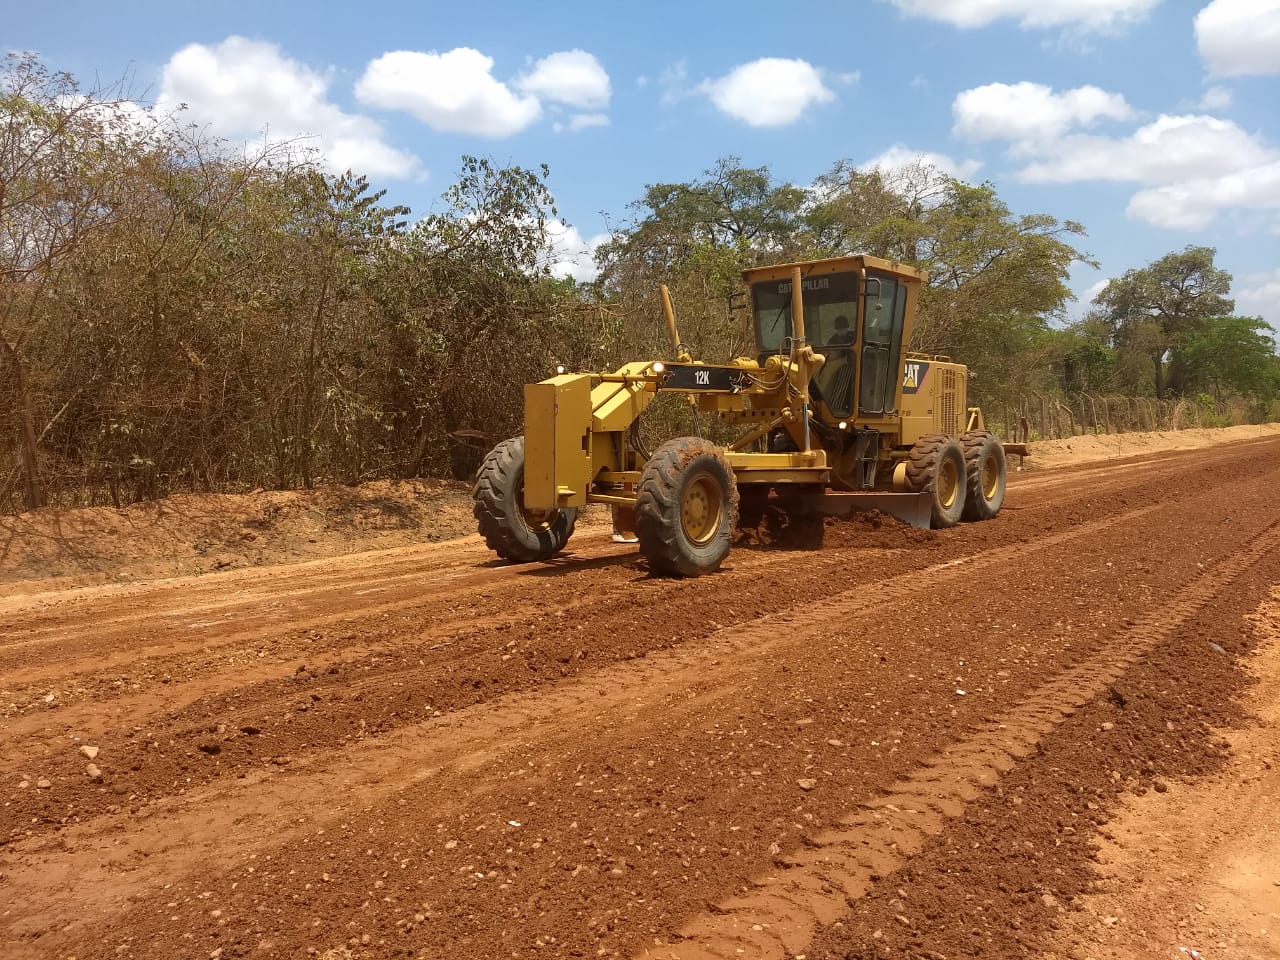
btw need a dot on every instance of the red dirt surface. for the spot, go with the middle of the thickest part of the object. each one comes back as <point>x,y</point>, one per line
<point>905,744</point>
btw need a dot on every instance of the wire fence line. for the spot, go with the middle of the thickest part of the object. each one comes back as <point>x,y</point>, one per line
<point>1039,416</point>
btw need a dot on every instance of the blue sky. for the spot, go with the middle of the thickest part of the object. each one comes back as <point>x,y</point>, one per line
<point>1155,123</point>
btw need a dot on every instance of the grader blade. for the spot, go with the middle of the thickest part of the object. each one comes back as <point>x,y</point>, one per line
<point>910,508</point>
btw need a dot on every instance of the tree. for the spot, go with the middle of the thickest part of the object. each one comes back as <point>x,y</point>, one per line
<point>57,148</point>
<point>995,278</point>
<point>1229,354</point>
<point>1153,309</point>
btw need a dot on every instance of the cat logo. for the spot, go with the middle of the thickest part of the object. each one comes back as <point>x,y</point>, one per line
<point>913,375</point>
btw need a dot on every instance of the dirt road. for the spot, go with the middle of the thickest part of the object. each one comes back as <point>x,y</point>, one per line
<point>903,744</point>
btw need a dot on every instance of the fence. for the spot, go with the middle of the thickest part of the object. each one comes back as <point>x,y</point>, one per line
<point>1036,416</point>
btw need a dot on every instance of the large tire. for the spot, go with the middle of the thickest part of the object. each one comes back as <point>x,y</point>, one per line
<point>686,508</point>
<point>511,531</point>
<point>986,474</point>
<point>935,465</point>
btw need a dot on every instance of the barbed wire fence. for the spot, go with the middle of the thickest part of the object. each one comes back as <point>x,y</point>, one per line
<point>1041,416</point>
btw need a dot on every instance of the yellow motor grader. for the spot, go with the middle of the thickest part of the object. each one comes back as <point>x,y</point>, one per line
<point>833,415</point>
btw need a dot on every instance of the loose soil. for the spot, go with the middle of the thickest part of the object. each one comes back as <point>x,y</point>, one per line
<point>961,743</point>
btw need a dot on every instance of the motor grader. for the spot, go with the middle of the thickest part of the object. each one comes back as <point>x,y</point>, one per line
<point>831,414</point>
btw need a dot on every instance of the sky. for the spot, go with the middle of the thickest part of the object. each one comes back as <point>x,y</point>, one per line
<point>1154,123</point>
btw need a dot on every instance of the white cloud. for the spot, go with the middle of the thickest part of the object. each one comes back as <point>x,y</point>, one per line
<point>1168,150</point>
<point>1215,98</point>
<point>581,121</point>
<point>571,255</point>
<point>1240,36</point>
<point>770,92</point>
<point>1193,203</point>
<point>1031,111</point>
<point>1079,308</point>
<point>572,77</point>
<point>900,155</point>
<point>453,92</point>
<point>1190,167</point>
<point>241,88</point>
<point>1084,14</point>
<point>1258,295</point>
<point>673,81</point>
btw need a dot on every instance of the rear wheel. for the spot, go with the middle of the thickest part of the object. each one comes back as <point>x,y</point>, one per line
<point>512,531</point>
<point>686,507</point>
<point>935,465</point>
<point>985,473</point>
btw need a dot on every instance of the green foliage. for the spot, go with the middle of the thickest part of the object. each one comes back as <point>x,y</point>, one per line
<point>1084,357</point>
<point>1226,355</point>
<point>176,314</point>
<point>1153,309</point>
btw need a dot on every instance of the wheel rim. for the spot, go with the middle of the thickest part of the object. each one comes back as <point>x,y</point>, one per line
<point>948,484</point>
<point>990,478</point>
<point>701,508</point>
<point>533,519</point>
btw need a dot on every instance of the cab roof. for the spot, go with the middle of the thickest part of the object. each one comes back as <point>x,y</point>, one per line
<point>782,271</point>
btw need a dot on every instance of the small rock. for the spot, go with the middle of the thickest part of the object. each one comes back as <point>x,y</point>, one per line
<point>806,783</point>
<point>93,772</point>
<point>805,722</point>
<point>43,784</point>
<point>23,784</point>
<point>90,753</point>
<point>1108,725</point>
<point>1215,648</point>
<point>1110,921</point>
<point>1160,786</point>
<point>450,845</point>
<point>835,743</point>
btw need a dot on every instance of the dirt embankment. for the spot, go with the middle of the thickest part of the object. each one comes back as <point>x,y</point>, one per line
<point>198,533</point>
<point>1118,446</point>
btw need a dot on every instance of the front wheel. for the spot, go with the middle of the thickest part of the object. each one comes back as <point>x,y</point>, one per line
<point>986,474</point>
<point>510,530</point>
<point>686,508</point>
<point>935,465</point>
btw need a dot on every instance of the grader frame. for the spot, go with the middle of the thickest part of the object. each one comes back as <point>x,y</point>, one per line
<point>862,425</point>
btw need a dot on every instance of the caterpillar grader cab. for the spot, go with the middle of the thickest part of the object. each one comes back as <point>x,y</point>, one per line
<point>831,415</point>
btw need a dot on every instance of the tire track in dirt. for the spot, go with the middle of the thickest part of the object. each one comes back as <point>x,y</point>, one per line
<point>272,693</point>
<point>282,619</point>
<point>621,715</point>
<point>183,598</point>
<point>278,693</point>
<point>813,889</point>
<point>475,570</point>
<point>469,738</point>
